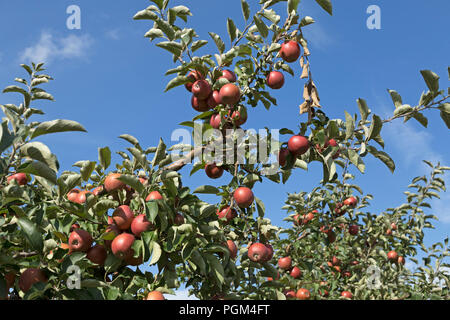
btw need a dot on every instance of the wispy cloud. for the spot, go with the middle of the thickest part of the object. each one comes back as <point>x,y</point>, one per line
<point>318,36</point>
<point>50,48</point>
<point>113,34</point>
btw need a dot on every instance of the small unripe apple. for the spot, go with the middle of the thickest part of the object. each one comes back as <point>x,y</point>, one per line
<point>201,89</point>
<point>140,224</point>
<point>257,252</point>
<point>229,75</point>
<point>21,178</point>
<point>303,294</point>
<point>97,254</point>
<point>112,183</point>
<point>213,171</point>
<point>80,240</point>
<point>244,197</point>
<point>275,80</point>
<point>230,94</point>
<point>290,51</point>
<point>298,145</point>
<point>122,246</point>
<point>155,295</point>
<point>123,217</point>
<point>285,263</point>
<point>154,195</point>
<point>31,276</point>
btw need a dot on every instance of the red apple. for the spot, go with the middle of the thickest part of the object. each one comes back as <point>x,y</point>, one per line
<point>31,276</point>
<point>154,195</point>
<point>303,294</point>
<point>401,260</point>
<point>201,89</point>
<point>215,121</point>
<point>112,183</point>
<point>122,246</point>
<point>298,145</point>
<point>123,217</point>
<point>97,254</point>
<point>275,80</point>
<point>214,99</point>
<point>335,261</point>
<point>199,104</point>
<point>140,224</point>
<point>351,202</point>
<point>296,272</point>
<point>392,256</point>
<point>227,213</point>
<point>230,94</point>
<point>194,76</point>
<point>179,219</point>
<point>285,263</point>
<point>72,195</point>
<point>290,294</point>
<point>244,197</point>
<point>213,171</point>
<point>347,294</point>
<point>282,156</point>
<point>290,51</point>
<point>232,248</point>
<point>155,295</point>
<point>80,240</point>
<point>229,75</point>
<point>21,178</point>
<point>257,252</point>
<point>269,252</point>
<point>353,230</point>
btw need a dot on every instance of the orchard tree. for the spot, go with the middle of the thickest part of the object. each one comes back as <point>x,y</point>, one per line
<point>89,233</point>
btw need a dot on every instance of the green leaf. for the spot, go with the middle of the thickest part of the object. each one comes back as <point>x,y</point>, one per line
<point>86,170</point>
<point>396,98</point>
<point>262,28</point>
<point>326,5</point>
<point>151,210</point>
<point>292,5</point>
<point>356,160</point>
<point>56,126</point>
<point>403,110</point>
<point>375,127</point>
<point>39,151</point>
<point>166,28</point>
<point>206,189</point>
<point>349,125</point>
<point>41,95</point>
<point>306,21</point>
<point>40,169</point>
<point>171,46</point>
<point>156,253</point>
<point>130,139</point>
<point>446,118</point>
<point>160,153</point>
<point>31,232</point>
<point>431,79</point>
<point>175,82</point>
<point>231,28</point>
<point>421,119</point>
<point>260,207</point>
<point>245,9</point>
<point>154,33</point>
<point>198,44</point>
<point>218,41</point>
<point>6,138</point>
<point>383,156</point>
<point>104,157</point>
<point>145,15</point>
<point>132,181</point>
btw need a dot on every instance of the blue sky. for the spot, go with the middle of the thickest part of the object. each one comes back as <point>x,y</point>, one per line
<point>111,79</point>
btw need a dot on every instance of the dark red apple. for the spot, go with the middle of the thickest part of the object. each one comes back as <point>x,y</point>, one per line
<point>296,272</point>
<point>275,80</point>
<point>243,197</point>
<point>194,76</point>
<point>229,75</point>
<point>123,217</point>
<point>227,213</point>
<point>21,178</point>
<point>31,276</point>
<point>347,294</point>
<point>213,171</point>
<point>215,121</point>
<point>298,145</point>
<point>230,94</point>
<point>285,263</point>
<point>232,248</point>
<point>290,51</point>
<point>97,254</point>
<point>353,230</point>
<point>179,219</point>
<point>201,89</point>
<point>257,252</point>
<point>392,256</point>
<point>80,240</point>
<point>213,99</point>
<point>122,246</point>
<point>351,202</point>
<point>282,156</point>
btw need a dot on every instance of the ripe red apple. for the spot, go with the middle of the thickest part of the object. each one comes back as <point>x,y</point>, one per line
<point>257,252</point>
<point>290,51</point>
<point>351,202</point>
<point>230,94</point>
<point>269,252</point>
<point>244,197</point>
<point>401,260</point>
<point>239,117</point>
<point>296,272</point>
<point>227,213</point>
<point>154,195</point>
<point>98,191</point>
<point>275,80</point>
<point>140,224</point>
<point>81,197</point>
<point>155,295</point>
<point>10,278</point>
<point>392,256</point>
<point>213,99</point>
<point>199,105</point>
<point>298,145</point>
<point>354,263</point>
<point>347,294</point>
<point>388,232</point>
<point>194,76</point>
<point>353,230</point>
<point>112,183</point>
<point>72,195</point>
<point>285,263</point>
<point>393,226</point>
<point>335,261</point>
<point>179,219</point>
<point>338,211</point>
<point>31,276</point>
<point>215,121</point>
<point>115,230</point>
<point>232,248</point>
<point>123,217</point>
<point>97,254</point>
<point>229,75</point>
<point>21,178</point>
<point>80,240</point>
<point>303,294</point>
<point>201,89</point>
<point>213,171</point>
<point>282,156</point>
<point>290,294</point>
<point>121,246</point>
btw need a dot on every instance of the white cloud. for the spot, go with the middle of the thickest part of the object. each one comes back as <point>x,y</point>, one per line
<point>318,36</point>
<point>180,295</point>
<point>113,34</point>
<point>50,48</point>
